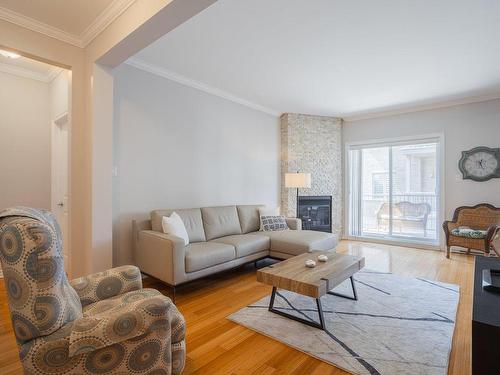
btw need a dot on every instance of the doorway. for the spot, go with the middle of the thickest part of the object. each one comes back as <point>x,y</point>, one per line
<point>59,181</point>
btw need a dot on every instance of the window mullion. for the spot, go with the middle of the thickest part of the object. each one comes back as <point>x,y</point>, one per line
<point>390,193</point>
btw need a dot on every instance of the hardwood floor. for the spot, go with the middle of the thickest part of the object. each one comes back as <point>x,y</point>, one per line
<point>217,346</point>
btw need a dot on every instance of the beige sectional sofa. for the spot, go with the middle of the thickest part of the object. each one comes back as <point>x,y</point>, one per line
<point>220,238</point>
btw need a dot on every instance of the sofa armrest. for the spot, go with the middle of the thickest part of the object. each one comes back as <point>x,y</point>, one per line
<point>137,227</point>
<point>294,223</point>
<point>161,255</point>
<point>103,285</point>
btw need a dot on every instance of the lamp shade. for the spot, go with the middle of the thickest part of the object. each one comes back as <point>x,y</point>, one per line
<point>297,180</point>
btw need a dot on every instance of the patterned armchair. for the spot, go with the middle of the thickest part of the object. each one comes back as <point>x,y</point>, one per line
<point>483,221</point>
<point>104,323</point>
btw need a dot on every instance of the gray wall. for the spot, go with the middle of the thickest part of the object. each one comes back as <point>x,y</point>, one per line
<point>464,127</point>
<point>24,142</point>
<point>177,147</point>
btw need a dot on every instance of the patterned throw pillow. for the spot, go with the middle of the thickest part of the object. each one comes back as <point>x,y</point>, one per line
<point>469,233</point>
<point>273,223</point>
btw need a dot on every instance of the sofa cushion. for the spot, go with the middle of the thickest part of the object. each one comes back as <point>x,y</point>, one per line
<point>202,255</point>
<point>191,218</point>
<point>249,217</point>
<point>246,244</point>
<point>297,242</point>
<point>220,221</point>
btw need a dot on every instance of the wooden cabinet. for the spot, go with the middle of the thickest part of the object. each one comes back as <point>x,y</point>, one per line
<point>485,322</point>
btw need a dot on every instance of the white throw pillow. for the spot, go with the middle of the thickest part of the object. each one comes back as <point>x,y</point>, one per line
<point>267,212</point>
<point>174,225</point>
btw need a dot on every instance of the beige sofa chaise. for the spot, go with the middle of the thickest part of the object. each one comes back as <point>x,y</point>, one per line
<point>220,238</point>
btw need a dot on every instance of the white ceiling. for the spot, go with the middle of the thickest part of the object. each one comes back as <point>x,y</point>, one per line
<point>72,16</point>
<point>28,68</point>
<point>72,21</point>
<point>336,57</point>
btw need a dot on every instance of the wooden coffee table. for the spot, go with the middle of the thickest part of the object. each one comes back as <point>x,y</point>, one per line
<point>293,275</point>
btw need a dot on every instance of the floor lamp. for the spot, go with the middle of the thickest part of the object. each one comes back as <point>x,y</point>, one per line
<point>297,180</point>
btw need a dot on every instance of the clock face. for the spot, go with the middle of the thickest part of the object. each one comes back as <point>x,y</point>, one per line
<point>480,164</point>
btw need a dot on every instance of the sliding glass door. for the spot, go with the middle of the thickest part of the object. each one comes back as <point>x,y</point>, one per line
<point>394,191</point>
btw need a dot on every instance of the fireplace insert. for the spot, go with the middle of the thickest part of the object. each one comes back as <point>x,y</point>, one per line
<point>315,212</point>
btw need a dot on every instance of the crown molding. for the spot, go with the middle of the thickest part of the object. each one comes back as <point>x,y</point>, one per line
<point>107,16</point>
<point>39,27</point>
<point>420,108</point>
<point>28,73</point>
<point>170,75</point>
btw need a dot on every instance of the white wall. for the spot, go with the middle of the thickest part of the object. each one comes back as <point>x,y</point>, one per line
<point>24,142</point>
<point>178,147</point>
<point>464,127</point>
<point>102,162</point>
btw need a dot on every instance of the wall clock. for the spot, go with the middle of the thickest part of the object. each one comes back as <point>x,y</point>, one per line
<point>480,163</point>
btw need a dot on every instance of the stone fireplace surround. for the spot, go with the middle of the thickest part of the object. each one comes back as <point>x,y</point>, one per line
<point>313,144</point>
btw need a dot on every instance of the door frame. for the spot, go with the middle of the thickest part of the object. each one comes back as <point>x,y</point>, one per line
<point>440,181</point>
<point>59,120</point>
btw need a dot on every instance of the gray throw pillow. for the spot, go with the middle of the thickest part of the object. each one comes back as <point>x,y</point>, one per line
<point>273,223</point>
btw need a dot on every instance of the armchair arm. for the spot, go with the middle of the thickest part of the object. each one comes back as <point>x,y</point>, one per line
<point>107,284</point>
<point>162,256</point>
<point>490,234</point>
<point>294,223</point>
<point>451,224</point>
<point>125,322</point>
<point>447,227</point>
<point>494,242</point>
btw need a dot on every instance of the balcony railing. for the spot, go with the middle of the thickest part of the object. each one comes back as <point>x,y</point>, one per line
<point>372,204</point>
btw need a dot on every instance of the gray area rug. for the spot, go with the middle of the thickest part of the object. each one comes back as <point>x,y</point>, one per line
<point>398,325</point>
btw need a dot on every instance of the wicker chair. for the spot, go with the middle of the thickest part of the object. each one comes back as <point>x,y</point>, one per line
<point>482,217</point>
<point>104,323</point>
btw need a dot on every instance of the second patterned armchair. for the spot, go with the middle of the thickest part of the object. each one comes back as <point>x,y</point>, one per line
<point>482,222</point>
<point>105,323</point>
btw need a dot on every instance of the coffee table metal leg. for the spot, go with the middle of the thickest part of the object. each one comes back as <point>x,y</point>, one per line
<point>354,293</point>
<point>320,325</point>
<point>320,313</point>
<point>271,302</point>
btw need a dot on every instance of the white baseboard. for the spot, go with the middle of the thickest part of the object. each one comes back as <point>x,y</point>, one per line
<point>415,245</point>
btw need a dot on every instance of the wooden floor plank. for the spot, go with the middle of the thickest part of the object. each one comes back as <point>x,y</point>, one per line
<point>218,346</point>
